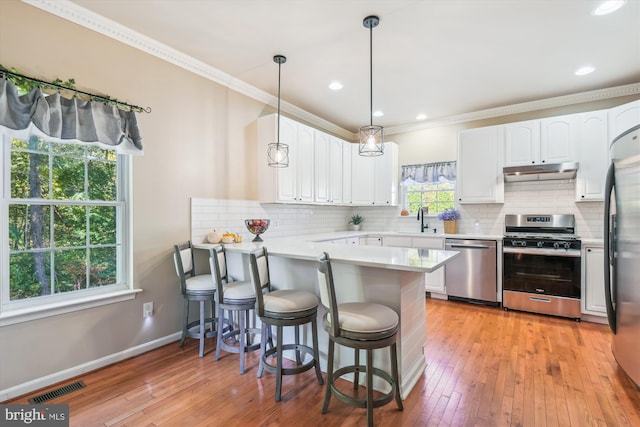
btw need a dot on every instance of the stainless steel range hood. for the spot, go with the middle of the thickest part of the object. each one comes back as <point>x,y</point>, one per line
<point>544,172</point>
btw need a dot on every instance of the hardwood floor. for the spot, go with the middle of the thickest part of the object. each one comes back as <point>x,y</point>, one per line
<point>486,367</point>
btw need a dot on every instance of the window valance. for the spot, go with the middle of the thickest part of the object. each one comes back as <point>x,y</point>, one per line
<point>69,119</point>
<point>428,172</point>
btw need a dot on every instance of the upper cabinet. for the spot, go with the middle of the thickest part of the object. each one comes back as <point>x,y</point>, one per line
<point>551,140</point>
<point>295,183</point>
<point>374,180</point>
<point>480,178</point>
<point>623,118</point>
<point>593,156</point>
<point>328,168</point>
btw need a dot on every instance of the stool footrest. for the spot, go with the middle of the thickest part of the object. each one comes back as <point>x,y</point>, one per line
<point>235,348</point>
<point>358,402</point>
<point>289,371</point>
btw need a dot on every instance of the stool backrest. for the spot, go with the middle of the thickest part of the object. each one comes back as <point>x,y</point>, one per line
<point>328,292</point>
<point>183,260</point>
<point>259,272</point>
<point>218,266</point>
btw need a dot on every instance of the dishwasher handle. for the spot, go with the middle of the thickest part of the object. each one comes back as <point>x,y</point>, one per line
<point>469,246</point>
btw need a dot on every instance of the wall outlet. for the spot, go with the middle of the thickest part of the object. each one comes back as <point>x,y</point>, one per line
<point>147,309</point>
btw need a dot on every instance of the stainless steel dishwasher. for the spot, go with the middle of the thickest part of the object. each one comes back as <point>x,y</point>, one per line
<point>472,274</point>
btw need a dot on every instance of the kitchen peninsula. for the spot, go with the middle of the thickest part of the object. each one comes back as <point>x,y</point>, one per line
<point>387,275</point>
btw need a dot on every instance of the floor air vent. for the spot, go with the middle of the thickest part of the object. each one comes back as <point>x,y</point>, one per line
<point>69,388</point>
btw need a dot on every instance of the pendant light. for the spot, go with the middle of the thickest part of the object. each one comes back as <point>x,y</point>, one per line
<point>371,136</point>
<point>278,153</point>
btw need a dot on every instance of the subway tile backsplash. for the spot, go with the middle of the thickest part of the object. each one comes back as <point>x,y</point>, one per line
<point>547,197</point>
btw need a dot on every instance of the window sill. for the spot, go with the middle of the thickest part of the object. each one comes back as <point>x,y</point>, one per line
<point>41,311</point>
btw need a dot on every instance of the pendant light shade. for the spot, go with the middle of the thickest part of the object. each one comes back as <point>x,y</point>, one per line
<point>371,136</point>
<point>278,153</point>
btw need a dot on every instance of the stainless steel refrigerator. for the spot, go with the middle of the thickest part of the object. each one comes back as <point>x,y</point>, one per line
<point>622,251</point>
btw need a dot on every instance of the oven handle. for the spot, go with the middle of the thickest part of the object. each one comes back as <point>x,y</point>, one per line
<point>573,253</point>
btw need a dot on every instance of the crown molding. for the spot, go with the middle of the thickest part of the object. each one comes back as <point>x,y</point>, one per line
<point>72,12</point>
<point>524,107</point>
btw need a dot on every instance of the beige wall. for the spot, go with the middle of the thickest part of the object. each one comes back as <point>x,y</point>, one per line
<point>199,141</point>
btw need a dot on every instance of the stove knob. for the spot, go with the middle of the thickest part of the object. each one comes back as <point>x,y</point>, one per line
<point>556,245</point>
<point>514,243</point>
<point>567,245</point>
<point>540,244</point>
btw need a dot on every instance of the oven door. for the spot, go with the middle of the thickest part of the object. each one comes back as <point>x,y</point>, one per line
<point>542,271</point>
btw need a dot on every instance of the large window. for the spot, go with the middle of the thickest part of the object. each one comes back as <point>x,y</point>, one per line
<point>436,196</point>
<point>64,221</point>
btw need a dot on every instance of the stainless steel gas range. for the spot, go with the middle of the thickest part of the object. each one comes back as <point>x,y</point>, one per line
<point>541,265</point>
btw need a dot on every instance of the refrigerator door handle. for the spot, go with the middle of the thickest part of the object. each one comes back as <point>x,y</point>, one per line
<point>609,252</point>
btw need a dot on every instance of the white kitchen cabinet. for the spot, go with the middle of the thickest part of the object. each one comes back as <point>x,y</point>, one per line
<point>397,241</point>
<point>550,140</point>
<point>328,169</point>
<point>593,298</point>
<point>374,180</point>
<point>623,118</point>
<point>371,240</point>
<point>480,178</point>
<point>346,173</point>
<point>295,183</point>
<point>593,156</point>
<point>336,170</point>
<point>434,281</point>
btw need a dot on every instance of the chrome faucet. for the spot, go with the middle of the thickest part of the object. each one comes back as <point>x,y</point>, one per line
<point>421,219</point>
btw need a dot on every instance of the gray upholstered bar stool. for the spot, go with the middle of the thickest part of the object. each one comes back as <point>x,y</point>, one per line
<point>194,288</point>
<point>361,326</point>
<point>238,298</point>
<point>282,308</point>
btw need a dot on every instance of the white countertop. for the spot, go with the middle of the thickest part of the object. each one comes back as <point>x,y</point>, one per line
<point>406,259</point>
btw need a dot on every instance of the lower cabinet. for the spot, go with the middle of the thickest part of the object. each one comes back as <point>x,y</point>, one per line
<point>593,300</point>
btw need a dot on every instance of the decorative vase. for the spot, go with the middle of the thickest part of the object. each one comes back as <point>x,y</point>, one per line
<point>450,227</point>
<point>355,227</point>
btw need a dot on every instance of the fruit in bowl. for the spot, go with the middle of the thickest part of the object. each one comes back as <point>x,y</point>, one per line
<point>257,227</point>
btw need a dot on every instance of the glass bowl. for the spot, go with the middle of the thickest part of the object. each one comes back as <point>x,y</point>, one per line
<point>257,227</point>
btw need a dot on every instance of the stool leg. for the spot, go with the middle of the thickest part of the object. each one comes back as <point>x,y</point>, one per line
<point>243,340</point>
<point>316,353</point>
<point>327,392</point>
<point>263,348</point>
<point>298,359</point>
<point>394,373</point>
<point>356,374</point>
<point>369,387</point>
<point>185,321</point>
<point>278,363</point>
<point>202,327</point>
<point>220,332</point>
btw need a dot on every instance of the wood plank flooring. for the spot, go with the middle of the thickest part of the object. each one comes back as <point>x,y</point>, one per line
<point>486,367</point>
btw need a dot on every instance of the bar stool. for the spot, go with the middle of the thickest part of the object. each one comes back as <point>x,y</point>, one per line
<point>238,298</point>
<point>359,325</point>
<point>194,288</point>
<point>283,308</point>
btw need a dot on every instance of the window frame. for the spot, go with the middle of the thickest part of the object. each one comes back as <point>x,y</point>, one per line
<point>34,308</point>
<point>406,192</point>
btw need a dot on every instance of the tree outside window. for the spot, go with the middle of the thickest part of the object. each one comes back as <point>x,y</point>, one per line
<point>437,196</point>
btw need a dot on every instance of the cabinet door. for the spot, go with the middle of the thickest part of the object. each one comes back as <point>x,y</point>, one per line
<point>305,166</point>
<point>321,163</point>
<point>594,156</point>
<point>287,176</point>
<point>346,173</point>
<point>623,118</point>
<point>433,282</point>
<point>396,241</point>
<point>335,171</point>
<point>558,139</point>
<point>385,184</point>
<point>480,178</point>
<point>371,240</point>
<point>361,178</point>
<point>593,299</point>
<point>522,143</point>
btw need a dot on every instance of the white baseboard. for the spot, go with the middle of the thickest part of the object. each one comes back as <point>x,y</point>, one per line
<point>57,377</point>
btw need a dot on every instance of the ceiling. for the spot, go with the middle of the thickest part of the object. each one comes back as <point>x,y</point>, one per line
<point>442,58</point>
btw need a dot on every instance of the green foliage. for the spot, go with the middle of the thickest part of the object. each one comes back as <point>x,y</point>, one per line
<point>63,237</point>
<point>438,197</point>
<point>356,219</point>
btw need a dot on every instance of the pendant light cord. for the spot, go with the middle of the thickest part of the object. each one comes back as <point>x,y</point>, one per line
<point>371,75</point>
<point>279,71</point>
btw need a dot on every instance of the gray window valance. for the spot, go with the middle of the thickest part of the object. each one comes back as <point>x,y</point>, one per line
<point>69,120</point>
<point>428,172</point>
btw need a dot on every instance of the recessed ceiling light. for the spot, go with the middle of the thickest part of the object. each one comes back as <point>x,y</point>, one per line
<point>583,71</point>
<point>335,85</point>
<point>608,6</point>
<point>421,117</point>
<point>378,113</point>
